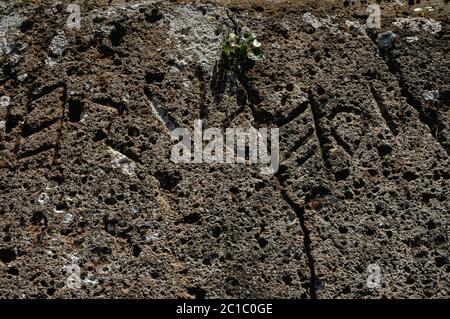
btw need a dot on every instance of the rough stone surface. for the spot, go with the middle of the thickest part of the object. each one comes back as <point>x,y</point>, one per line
<point>92,206</point>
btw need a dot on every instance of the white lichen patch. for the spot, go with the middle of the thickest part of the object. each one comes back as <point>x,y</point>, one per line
<point>52,184</point>
<point>22,77</point>
<point>412,39</point>
<point>311,20</point>
<point>431,95</point>
<point>122,162</point>
<point>152,237</point>
<point>89,281</point>
<point>120,10</point>
<point>194,34</point>
<point>276,45</point>
<point>58,44</point>
<point>135,209</point>
<point>83,117</point>
<point>8,27</point>
<point>329,23</point>
<point>67,218</point>
<point>43,199</point>
<point>5,48</point>
<point>10,22</point>
<point>418,25</point>
<point>5,101</point>
<point>58,211</point>
<point>50,62</point>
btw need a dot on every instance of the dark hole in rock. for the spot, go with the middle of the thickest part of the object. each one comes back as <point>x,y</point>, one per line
<point>99,135</point>
<point>290,87</point>
<point>51,291</point>
<point>61,206</point>
<point>259,185</point>
<point>384,150</point>
<point>410,280</point>
<point>343,229</point>
<point>287,279</point>
<point>348,194</point>
<point>101,250</point>
<point>426,196</point>
<point>347,290</point>
<point>199,293</point>
<point>38,218</point>
<point>75,110</point>
<point>26,25</point>
<point>410,176</point>
<point>11,122</point>
<point>317,192</point>
<point>7,255</point>
<point>65,231</point>
<point>110,201</point>
<point>217,231</point>
<point>445,97</point>
<point>191,218</point>
<point>133,131</point>
<point>155,275</point>
<point>342,174</point>
<point>136,250</point>
<point>373,172</point>
<point>59,179</point>
<point>262,242</point>
<point>152,77</point>
<point>168,180</point>
<point>13,271</point>
<point>234,190</point>
<point>73,70</point>
<point>153,16</point>
<point>206,261</point>
<point>320,90</point>
<point>117,34</point>
<point>369,231</point>
<point>440,261</point>
<point>431,225</point>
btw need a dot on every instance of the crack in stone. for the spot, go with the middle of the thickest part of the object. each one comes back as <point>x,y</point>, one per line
<point>300,213</point>
<point>393,67</point>
<point>384,112</point>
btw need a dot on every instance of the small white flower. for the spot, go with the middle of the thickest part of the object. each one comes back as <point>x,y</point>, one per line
<point>417,9</point>
<point>256,44</point>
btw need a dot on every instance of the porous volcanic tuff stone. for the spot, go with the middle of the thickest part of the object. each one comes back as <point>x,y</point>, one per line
<point>92,206</point>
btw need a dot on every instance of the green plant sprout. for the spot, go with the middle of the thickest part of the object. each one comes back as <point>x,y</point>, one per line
<point>239,50</point>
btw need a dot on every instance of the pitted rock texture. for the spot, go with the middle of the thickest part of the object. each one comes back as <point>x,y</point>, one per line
<point>89,195</point>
